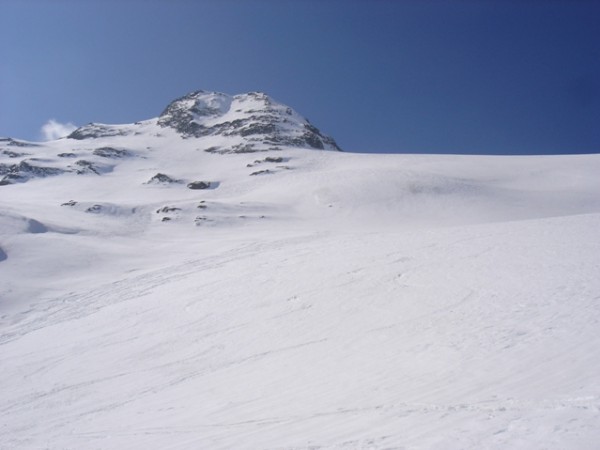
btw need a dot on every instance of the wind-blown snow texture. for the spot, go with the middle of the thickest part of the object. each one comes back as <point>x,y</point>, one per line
<point>293,298</point>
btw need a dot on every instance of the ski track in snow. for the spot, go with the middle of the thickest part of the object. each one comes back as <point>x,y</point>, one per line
<point>354,369</point>
<point>445,304</point>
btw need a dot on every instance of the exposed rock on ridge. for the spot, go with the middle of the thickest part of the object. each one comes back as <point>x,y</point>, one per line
<point>95,130</point>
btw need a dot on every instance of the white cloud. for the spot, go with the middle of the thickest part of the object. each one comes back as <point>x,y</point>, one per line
<point>54,130</point>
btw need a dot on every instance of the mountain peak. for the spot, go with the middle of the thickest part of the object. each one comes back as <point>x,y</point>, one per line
<point>244,123</point>
<point>199,103</point>
<point>250,122</point>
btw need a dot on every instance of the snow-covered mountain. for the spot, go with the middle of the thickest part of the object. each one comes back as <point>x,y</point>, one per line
<point>221,277</point>
<point>250,122</point>
<point>218,123</point>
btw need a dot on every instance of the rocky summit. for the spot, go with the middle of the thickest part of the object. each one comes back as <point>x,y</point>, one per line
<point>249,122</point>
<point>254,120</point>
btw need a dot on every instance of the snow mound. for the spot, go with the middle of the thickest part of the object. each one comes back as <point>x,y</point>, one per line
<point>11,223</point>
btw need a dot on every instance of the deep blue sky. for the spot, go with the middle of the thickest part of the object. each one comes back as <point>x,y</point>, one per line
<point>387,76</point>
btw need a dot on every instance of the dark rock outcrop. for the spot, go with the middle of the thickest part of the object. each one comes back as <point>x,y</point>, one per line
<point>261,172</point>
<point>273,159</point>
<point>94,130</point>
<point>84,167</point>
<point>19,173</point>
<point>161,178</point>
<point>94,209</point>
<point>199,185</point>
<point>110,152</point>
<point>5,168</point>
<point>12,154</point>
<point>16,143</point>
<point>167,209</point>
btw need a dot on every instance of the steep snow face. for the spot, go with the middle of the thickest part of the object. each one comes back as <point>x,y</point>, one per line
<point>157,294</point>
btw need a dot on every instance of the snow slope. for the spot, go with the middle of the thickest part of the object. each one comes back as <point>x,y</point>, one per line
<point>328,301</point>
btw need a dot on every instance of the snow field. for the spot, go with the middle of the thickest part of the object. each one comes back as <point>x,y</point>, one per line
<point>361,301</point>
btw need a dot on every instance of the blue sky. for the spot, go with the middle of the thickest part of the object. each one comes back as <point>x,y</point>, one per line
<point>502,77</point>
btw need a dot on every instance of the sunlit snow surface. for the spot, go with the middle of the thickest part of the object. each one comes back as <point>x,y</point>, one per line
<point>337,301</point>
